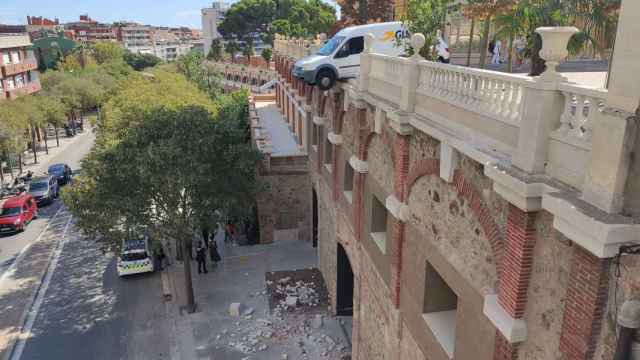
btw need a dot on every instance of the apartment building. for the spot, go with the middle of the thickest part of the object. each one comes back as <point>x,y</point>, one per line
<point>89,30</point>
<point>18,66</point>
<point>211,18</point>
<point>135,36</point>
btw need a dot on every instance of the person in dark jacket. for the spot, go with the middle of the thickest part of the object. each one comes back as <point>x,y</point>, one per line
<point>201,257</point>
<point>213,251</point>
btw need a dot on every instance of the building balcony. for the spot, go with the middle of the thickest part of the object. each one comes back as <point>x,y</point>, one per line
<point>21,67</point>
<point>29,88</point>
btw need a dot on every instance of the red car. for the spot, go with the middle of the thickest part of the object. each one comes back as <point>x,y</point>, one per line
<point>17,212</point>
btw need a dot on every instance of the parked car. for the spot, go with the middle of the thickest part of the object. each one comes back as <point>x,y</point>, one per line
<point>339,58</point>
<point>44,189</point>
<point>62,172</point>
<point>135,257</point>
<point>16,213</point>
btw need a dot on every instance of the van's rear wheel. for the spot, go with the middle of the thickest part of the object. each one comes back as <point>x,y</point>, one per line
<point>326,79</point>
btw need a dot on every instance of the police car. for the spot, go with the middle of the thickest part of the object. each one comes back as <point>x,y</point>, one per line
<point>135,257</point>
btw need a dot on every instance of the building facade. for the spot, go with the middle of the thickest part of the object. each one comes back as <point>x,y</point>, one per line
<point>89,30</point>
<point>211,18</point>
<point>18,65</point>
<point>468,214</point>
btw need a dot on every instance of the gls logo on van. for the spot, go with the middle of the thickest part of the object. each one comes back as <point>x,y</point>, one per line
<point>397,35</point>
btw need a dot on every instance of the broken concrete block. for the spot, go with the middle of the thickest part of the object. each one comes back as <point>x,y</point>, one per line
<point>291,301</point>
<point>235,309</point>
<point>248,311</point>
<point>285,356</point>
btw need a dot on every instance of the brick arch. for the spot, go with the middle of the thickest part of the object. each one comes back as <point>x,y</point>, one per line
<point>363,149</point>
<point>337,125</point>
<point>429,167</point>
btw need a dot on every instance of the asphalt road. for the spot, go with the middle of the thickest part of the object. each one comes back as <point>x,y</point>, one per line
<point>12,244</point>
<point>88,312</point>
<point>83,309</point>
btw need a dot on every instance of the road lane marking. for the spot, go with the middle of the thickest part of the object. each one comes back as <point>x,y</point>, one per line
<point>12,269</point>
<point>34,308</point>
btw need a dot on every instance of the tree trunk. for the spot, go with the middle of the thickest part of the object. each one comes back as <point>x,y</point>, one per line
<point>191,301</point>
<point>538,64</point>
<point>33,145</point>
<point>484,42</point>
<point>46,144</point>
<point>510,57</point>
<point>55,127</point>
<point>473,25</point>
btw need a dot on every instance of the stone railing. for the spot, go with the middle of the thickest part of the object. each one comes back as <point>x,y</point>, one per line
<point>496,95</point>
<point>581,106</point>
<point>386,77</point>
<point>297,47</point>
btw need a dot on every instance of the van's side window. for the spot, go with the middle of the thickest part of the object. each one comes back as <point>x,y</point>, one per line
<point>353,46</point>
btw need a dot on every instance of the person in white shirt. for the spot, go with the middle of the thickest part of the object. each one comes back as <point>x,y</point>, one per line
<point>495,59</point>
<point>442,48</point>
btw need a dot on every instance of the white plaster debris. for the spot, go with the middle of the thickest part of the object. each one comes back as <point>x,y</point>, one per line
<point>235,309</point>
<point>317,321</point>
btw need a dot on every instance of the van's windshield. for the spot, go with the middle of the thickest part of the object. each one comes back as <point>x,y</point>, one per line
<point>331,46</point>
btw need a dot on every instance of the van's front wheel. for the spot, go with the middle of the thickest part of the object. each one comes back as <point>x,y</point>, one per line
<point>326,79</point>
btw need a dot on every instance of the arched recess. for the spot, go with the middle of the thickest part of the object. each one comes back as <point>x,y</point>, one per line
<point>344,282</point>
<point>465,189</point>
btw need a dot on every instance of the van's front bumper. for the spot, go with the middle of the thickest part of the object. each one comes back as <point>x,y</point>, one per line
<point>309,76</point>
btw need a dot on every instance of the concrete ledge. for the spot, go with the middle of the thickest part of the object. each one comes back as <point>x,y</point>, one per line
<point>400,122</point>
<point>526,196</point>
<point>448,161</point>
<point>335,139</point>
<point>307,107</point>
<point>358,165</point>
<point>396,208</point>
<point>318,120</point>
<point>378,120</point>
<point>590,227</point>
<point>514,330</point>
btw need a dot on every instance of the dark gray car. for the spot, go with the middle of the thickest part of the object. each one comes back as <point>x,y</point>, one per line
<point>44,189</point>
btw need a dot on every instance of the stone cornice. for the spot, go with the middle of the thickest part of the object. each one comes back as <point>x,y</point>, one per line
<point>318,120</point>
<point>513,330</point>
<point>335,139</point>
<point>396,208</point>
<point>358,165</point>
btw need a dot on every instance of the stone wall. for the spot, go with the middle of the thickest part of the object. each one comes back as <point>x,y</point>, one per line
<point>284,205</point>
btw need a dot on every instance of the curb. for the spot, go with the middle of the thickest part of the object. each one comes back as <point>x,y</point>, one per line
<point>166,289</point>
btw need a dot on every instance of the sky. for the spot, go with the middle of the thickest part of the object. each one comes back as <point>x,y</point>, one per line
<point>150,12</point>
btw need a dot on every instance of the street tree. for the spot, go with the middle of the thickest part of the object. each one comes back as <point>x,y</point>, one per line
<point>426,17</point>
<point>106,51</point>
<point>53,112</point>
<point>359,12</point>
<point>140,62</point>
<point>267,53</point>
<point>248,50</point>
<point>127,185</point>
<point>232,47</point>
<point>215,53</point>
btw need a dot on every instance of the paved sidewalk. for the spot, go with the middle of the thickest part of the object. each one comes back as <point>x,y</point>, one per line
<point>211,333</point>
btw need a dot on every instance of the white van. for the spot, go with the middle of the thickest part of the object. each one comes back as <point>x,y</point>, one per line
<point>339,58</point>
<point>135,257</point>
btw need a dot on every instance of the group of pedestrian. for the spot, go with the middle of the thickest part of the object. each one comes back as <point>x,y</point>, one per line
<point>207,244</point>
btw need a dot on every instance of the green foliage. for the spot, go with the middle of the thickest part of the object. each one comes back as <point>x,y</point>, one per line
<point>426,17</point>
<point>141,61</point>
<point>232,47</point>
<point>248,50</point>
<point>106,51</point>
<point>215,53</point>
<point>201,73</point>
<point>301,18</point>
<point>267,53</point>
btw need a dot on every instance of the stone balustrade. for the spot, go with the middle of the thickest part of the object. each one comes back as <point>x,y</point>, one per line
<point>297,47</point>
<point>581,105</point>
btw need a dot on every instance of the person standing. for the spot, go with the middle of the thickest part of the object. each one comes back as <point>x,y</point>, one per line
<point>201,257</point>
<point>495,59</point>
<point>213,251</point>
<point>442,48</point>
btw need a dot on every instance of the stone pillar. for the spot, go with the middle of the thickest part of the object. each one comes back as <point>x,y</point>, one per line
<point>585,305</point>
<point>401,170</point>
<point>518,261</point>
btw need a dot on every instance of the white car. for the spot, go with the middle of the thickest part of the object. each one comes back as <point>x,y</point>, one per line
<point>339,58</point>
<point>135,257</point>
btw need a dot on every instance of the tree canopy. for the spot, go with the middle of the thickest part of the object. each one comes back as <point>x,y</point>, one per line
<point>267,17</point>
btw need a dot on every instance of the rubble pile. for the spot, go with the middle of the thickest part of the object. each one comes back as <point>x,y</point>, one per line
<point>299,335</point>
